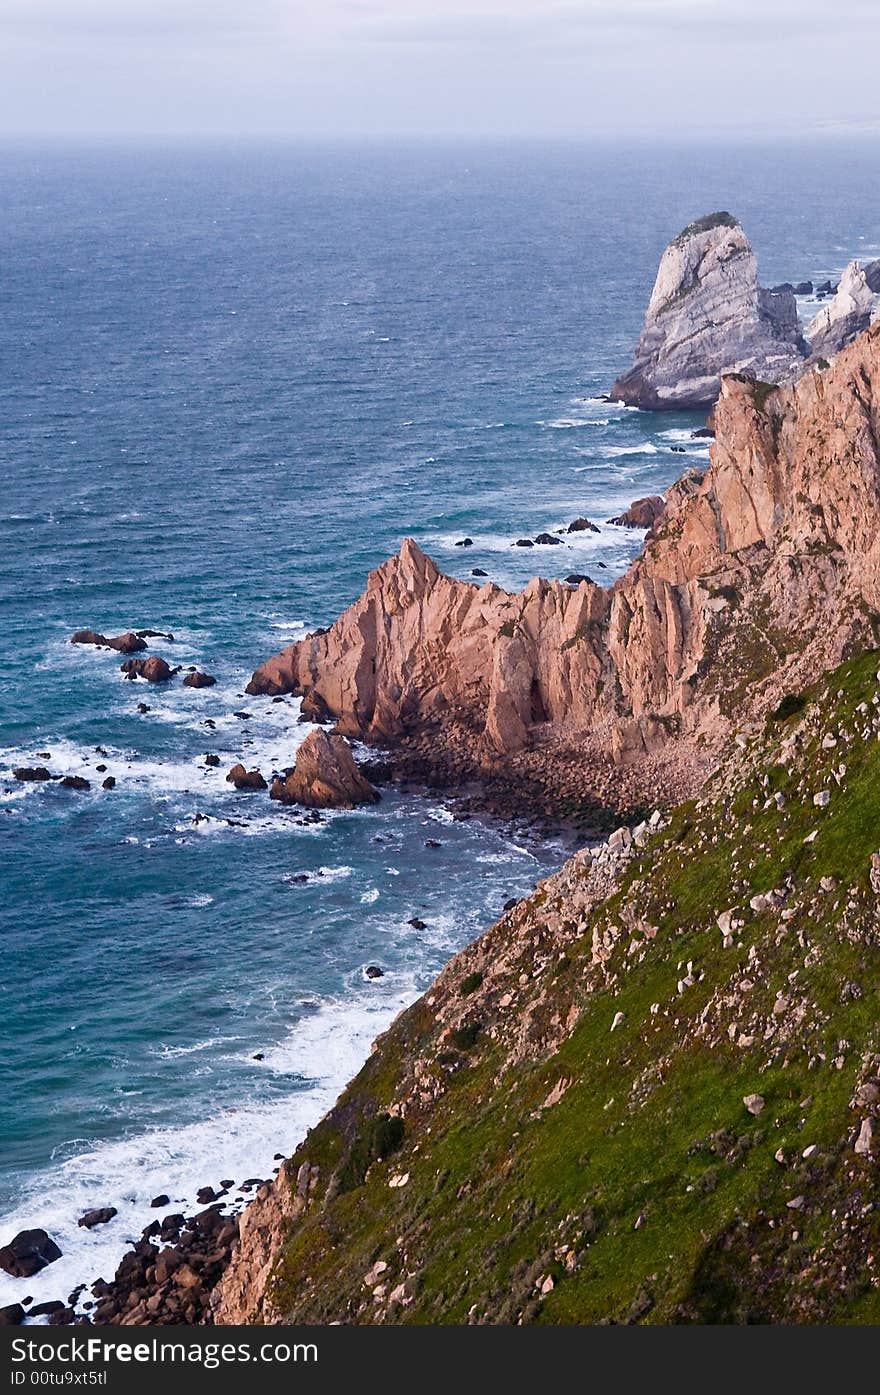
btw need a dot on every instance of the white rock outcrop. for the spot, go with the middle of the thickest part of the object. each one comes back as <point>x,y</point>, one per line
<point>844,316</point>
<point>708,316</point>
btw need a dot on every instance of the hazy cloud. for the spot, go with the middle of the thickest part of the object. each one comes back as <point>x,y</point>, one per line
<point>580,68</point>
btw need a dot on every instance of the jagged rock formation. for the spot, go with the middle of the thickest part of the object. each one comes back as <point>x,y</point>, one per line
<point>324,776</point>
<point>844,316</point>
<point>649,1093</point>
<point>872,276</point>
<point>762,573</point>
<point>708,316</point>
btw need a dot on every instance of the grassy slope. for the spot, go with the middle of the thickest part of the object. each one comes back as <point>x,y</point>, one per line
<point>648,1192</point>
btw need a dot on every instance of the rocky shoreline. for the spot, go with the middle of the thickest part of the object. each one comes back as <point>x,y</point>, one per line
<point>588,707</point>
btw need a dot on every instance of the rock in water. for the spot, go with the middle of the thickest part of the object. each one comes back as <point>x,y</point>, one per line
<point>843,317</point>
<point>129,643</point>
<point>246,779</point>
<point>642,513</point>
<point>154,669</point>
<point>707,316</point>
<point>100,1215</point>
<point>325,776</point>
<point>28,1253</point>
<point>197,679</point>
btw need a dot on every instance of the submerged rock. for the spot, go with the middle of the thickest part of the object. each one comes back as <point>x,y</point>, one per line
<point>708,316</point>
<point>325,776</point>
<point>582,525</point>
<point>129,643</point>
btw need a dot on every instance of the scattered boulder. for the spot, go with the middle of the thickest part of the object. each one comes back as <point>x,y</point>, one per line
<point>75,782</point>
<point>754,1103</point>
<point>478,571</point>
<point>523,542</point>
<point>465,542</point>
<point>205,1195</point>
<point>12,1315</point>
<point>325,776</point>
<point>575,578</point>
<point>246,779</point>
<point>198,679</point>
<point>373,971</point>
<point>548,540</point>
<point>29,773</point>
<point>212,760</point>
<point>155,634</point>
<point>109,783</point>
<point>28,1253</point>
<point>642,513</point>
<point>582,525</point>
<point>154,669</point>
<point>99,1215</point>
<point>161,1200</point>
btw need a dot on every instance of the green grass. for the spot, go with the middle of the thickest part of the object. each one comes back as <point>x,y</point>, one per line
<point>646,1192</point>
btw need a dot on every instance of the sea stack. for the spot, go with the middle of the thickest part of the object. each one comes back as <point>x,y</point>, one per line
<point>708,316</point>
<point>325,776</point>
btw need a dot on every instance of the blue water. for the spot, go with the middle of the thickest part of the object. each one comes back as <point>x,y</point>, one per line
<point>232,381</point>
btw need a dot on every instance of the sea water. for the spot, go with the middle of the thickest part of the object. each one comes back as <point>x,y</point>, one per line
<point>232,382</point>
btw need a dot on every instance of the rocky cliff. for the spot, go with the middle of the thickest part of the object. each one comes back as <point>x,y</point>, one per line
<point>845,315</point>
<point>649,1094</point>
<point>708,316</point>
<point>761,574</point>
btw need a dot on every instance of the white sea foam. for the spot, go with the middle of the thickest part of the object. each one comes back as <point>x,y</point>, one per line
<point>322,1052</point>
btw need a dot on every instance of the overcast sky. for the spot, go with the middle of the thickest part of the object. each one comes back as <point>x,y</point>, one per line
<point>621,69</point>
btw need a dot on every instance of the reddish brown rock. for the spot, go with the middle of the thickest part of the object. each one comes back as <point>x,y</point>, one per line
<point>642,513</point>
<point>154,669</point>
<point>244,779</point>
<point>325,776</point>
<point>199,680</point>
<point>28,1253</point>
<point>129,643</point>
<point>763,572</point>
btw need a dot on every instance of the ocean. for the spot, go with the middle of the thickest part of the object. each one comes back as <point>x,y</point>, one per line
<point>233,380</point>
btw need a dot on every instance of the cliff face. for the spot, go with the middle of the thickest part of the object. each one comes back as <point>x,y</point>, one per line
<point>845,315</point>
<point>708,316</point>
<point>761,574</point>
<point>649,1093</point>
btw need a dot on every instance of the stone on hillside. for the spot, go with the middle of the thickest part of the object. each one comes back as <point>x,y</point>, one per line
<point>865,1139</point>
<point>822,799</point>
<point>753,1103</point>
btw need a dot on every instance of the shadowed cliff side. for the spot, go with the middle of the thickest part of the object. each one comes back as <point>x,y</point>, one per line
<point>763,573</point>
